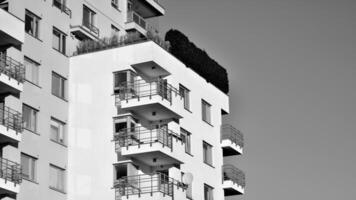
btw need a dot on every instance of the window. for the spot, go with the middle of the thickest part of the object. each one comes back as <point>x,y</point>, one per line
<point>59,4</point>
<point>32,70</point>
<point>28,165</point>
<point>184,92</point>
<point>207,153</point>
<point>58,85</point>
<point>208,192</point>
<point>115,3</point>
<point>29,118</point>
<point>59,41</point>
<point>56,178</point>
<point>57,131</point>
<point>32,23</point>
<point>114,30</point>
<point>186,140</point>
<point>88,17</point>
<point>206,107</point>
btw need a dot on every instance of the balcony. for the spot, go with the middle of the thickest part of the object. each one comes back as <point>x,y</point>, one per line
<point>12,30</point>
<point>138,23</point>
<point>156,100</point>
<point>12,75</point>
<point>148,8</point>
<point>85,31</point>
<point>232,140</point>
<point>233,180</point>
<point>10,126</point>
<point>62,7</point>
<point>149,187</point>
<point>154,147</point>
<point>10,177</point>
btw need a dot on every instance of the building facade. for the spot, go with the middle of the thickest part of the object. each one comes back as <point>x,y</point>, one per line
<point>129,122</point>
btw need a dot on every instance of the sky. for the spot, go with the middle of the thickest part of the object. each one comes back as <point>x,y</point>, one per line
<point>292,68</point>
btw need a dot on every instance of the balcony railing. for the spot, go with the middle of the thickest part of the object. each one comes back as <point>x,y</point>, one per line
<point>140,88</point>
<point>62,7</point>
<point>11,119</point>
<point>140,135</point>
<point>93,29</point>
<point>231,133</point>
<point>132,16</point>
<point>145,183</point>
<point>12,68</point>
<point>10,171</point>
<point>231,173</point>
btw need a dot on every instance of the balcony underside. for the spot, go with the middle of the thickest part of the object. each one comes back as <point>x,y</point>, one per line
<point>231,188</point>
<point>12,30</point>
<point>8,188</point>
<point>10,86</point>
<point>132,27</point>
<point>83,33</point>
<point>230,149</point>
<point>151,70</point>
<point>9,136</point>
<point>154,154</point>
<point>149,8</point>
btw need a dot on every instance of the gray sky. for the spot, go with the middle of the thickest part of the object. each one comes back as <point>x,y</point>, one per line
<point>292,69</point>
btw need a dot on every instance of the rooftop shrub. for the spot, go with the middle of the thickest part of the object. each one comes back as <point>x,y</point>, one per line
<point>197,59</point>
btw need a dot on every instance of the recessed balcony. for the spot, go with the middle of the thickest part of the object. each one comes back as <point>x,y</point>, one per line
<point>135,22</point>
<point>149,187</point>
<point>12,76</point>
<point>85,31</point>
<point>12,30</point>
<point>153,147</point>
<point>155,100</point>
<point>10,178</point>
<point>10,126</point>
<point>232,140</point>
<point>233,180</point>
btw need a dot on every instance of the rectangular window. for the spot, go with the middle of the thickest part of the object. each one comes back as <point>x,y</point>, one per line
<point>114,30</point>
<point>206,109</point>
<point>32,24</point>
<point>29,118</point>
<point>88,17</point>
<point>57,131</point>
<point>186,140</point>
<point>184,92</point>
<point>115,3</point>
<point>208,192</point>
<point>32,70</point>
<point>58,85</point>
<point>59,40</point>
<point>207,153</point>
<point>28,165</point>
<point>56,177</point>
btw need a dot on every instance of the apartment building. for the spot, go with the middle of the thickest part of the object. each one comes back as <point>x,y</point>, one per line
<point>129,122</point>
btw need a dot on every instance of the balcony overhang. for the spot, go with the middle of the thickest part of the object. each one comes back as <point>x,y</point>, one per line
<point>231,188</point>
<point>133,26</point>
<point>12,30</point>
<point>9,136</point>
<point>230,148</point>
<point>151,70</point>
<point>82,32</point>
<point>149,8</point>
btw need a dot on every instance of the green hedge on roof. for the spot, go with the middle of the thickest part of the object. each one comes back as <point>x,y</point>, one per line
<point>197,59</point>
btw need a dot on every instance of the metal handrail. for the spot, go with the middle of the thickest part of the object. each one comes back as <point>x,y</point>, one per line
<point>11,118</point>
<point>12,68</point>
<point>140,88</point>
<point>133,16</point>
<point>10,171</point>
<point>147,183</point>
<point>91,28</point>
<point>234,174</point>
<point>62,7</point>
<point>140,135</point>
<point>231,133</point>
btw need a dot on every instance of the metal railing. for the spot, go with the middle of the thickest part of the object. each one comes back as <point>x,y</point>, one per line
<point>232,173</point>
<point>231,133</point>
<point>140,135</point>
<point>12,68</point>
<point>133,16</point>
<point>140,88</point>
<point>93,29</point>
<point>146,183</point>
<point>62,7</point>
<point>11,119</point>
<point>10,171</point>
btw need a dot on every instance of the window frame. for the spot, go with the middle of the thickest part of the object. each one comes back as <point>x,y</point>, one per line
<point>187,136</point>
<point>115,4</point>
<point>206,111</point>
<point>63,181</point>
<point>210,192</point>
<point>32,64</point>
<point>32,167</point>
<point>35,111</point>
<point>208,153</point>
<point>61,129</point>
<point>63,86</point>
<point>62,42</point>
<point>92,16</point>
<point>185,93</point>
<point>36,23</point>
